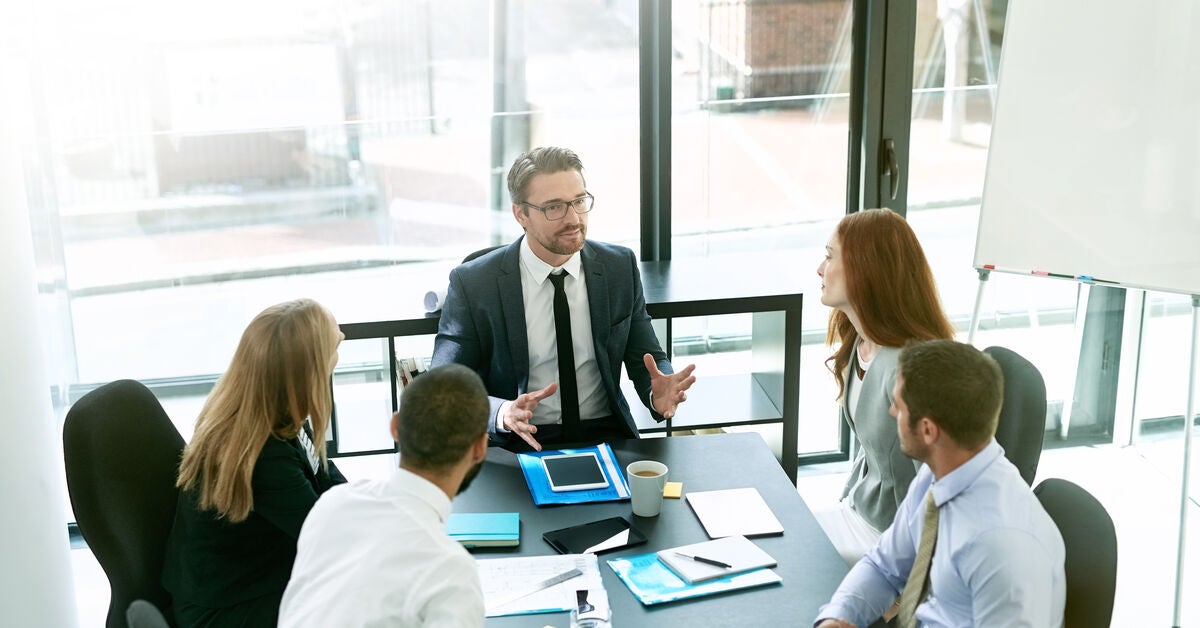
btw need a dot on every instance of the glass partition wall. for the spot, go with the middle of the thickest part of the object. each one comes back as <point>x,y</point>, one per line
<point>759,133</point>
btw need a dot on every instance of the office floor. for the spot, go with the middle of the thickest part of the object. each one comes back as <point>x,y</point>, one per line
<point>1138,485</point>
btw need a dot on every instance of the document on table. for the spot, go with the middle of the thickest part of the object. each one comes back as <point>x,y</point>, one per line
<point>732,512</point>
<point>537,584</point>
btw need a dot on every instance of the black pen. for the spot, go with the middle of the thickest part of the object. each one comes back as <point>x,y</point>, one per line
<point>708,561</point>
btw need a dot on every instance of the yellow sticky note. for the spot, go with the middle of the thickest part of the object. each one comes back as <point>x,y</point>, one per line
<point>673,490</point>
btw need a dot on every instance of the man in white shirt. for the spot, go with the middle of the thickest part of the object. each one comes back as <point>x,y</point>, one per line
<point>970,544</point>
<point>376,552</point>
<point>516,315</point>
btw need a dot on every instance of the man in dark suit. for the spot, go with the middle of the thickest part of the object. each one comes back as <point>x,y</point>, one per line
<point>506,311</point>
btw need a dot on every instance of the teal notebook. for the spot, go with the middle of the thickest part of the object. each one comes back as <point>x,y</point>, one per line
<point>484,529</point>
<point>651,582</point>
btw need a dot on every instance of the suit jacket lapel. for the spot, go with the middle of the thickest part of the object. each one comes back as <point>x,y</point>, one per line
<point>512,306</point>
<point>851,379</point>
<point>597,290</point>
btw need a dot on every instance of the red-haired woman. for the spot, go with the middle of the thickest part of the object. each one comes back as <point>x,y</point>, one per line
<point>878,282</point>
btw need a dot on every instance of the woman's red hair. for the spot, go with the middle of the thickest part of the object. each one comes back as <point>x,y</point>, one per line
<point>889,285</point>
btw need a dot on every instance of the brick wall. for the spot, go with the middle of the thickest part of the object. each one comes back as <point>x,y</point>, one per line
<point>767,48</point>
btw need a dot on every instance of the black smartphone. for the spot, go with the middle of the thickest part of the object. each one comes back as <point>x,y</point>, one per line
<point>595,537</point>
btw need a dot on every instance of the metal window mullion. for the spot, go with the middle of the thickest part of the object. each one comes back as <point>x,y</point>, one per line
<point>654,72</point>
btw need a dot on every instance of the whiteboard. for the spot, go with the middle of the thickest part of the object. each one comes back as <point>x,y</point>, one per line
<point>1094,168</point>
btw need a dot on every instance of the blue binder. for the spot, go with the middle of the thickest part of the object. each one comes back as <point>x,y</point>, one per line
<point>651,582</point>
<point>539,484</point>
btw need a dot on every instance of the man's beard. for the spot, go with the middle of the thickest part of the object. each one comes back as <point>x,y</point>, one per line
<point>470,476</point>
<point>553,247</point>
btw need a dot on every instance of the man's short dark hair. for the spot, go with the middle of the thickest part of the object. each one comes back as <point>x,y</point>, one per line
<point>956,385</point>
<point>543,160</point>
<point>442,413</point>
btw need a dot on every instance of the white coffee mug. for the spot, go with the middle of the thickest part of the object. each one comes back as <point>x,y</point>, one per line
<point>647,479</point>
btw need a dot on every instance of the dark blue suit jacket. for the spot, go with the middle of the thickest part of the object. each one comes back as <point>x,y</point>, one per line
<point>483,324</point>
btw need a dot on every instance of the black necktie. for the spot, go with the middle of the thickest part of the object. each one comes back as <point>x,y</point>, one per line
<point>568,390</point>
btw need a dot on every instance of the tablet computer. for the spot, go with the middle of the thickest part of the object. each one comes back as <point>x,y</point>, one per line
<point>594,537</point>
<point>574,472</point>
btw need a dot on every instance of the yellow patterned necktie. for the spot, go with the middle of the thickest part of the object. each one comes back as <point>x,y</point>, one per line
<point>918,578</point>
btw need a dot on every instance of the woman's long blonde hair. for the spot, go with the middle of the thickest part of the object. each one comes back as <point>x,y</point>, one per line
<point>279,377</point>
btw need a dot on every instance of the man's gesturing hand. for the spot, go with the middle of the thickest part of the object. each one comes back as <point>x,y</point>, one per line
<point>668,391</point>
<point>518,413</point>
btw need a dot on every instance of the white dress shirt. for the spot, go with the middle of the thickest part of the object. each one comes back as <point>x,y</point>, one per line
<point>998,559</point>
<point>538,295</point>
<point>376,553</point>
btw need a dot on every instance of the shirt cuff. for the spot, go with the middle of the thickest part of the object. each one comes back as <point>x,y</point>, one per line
<point>840,613</point>
<point>500,429</point>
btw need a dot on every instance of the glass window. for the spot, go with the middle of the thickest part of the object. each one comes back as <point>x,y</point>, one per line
<point>229,156</point>
<point>955,59</point>
<point>189,165</point>
<point>759,133</point>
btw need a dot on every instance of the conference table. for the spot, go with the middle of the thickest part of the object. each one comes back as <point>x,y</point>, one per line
<point>808,564</point>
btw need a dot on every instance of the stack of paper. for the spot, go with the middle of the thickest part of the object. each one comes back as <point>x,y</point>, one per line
<point>484,529</point>
<point>539,584</point>
<point>699,561</point>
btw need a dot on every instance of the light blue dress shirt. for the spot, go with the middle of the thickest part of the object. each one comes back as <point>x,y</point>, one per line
<point>998,559</point>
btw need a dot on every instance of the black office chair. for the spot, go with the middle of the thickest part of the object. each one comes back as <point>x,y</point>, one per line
<point>1091,545</point>
<point>481,252</point>
<point>122,457</point>
<point>1022,424</point>
<point>143,614</point>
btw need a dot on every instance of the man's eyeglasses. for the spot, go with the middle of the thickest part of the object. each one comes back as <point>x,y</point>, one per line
<point>557,211</point>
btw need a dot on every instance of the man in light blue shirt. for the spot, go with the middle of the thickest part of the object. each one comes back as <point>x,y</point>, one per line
<point>998,557</point>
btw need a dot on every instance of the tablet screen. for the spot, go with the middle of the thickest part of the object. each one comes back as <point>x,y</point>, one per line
<point>574,472</point>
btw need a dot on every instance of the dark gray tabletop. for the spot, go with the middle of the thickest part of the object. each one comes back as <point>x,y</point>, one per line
<point>810,567</point>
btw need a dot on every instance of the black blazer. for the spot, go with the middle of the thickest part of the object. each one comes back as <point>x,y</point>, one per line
<point>483,325</point>
<point>216,564</point>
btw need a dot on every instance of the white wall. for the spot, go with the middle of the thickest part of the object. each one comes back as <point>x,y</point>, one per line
<point>35,572</point>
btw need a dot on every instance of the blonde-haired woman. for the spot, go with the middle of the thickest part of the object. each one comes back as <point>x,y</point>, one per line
<point>253,469</point>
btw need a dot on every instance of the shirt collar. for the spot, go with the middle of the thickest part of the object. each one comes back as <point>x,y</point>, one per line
<point>404,481</point>
<point>965,475</point>
<point>539,270</point>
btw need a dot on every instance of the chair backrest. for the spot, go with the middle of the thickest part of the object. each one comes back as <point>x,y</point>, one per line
<point>122,457</point>
<point>1091,551</point>
<point>142,614</point>
<point>1022,423</point>
<point>481,252</point>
